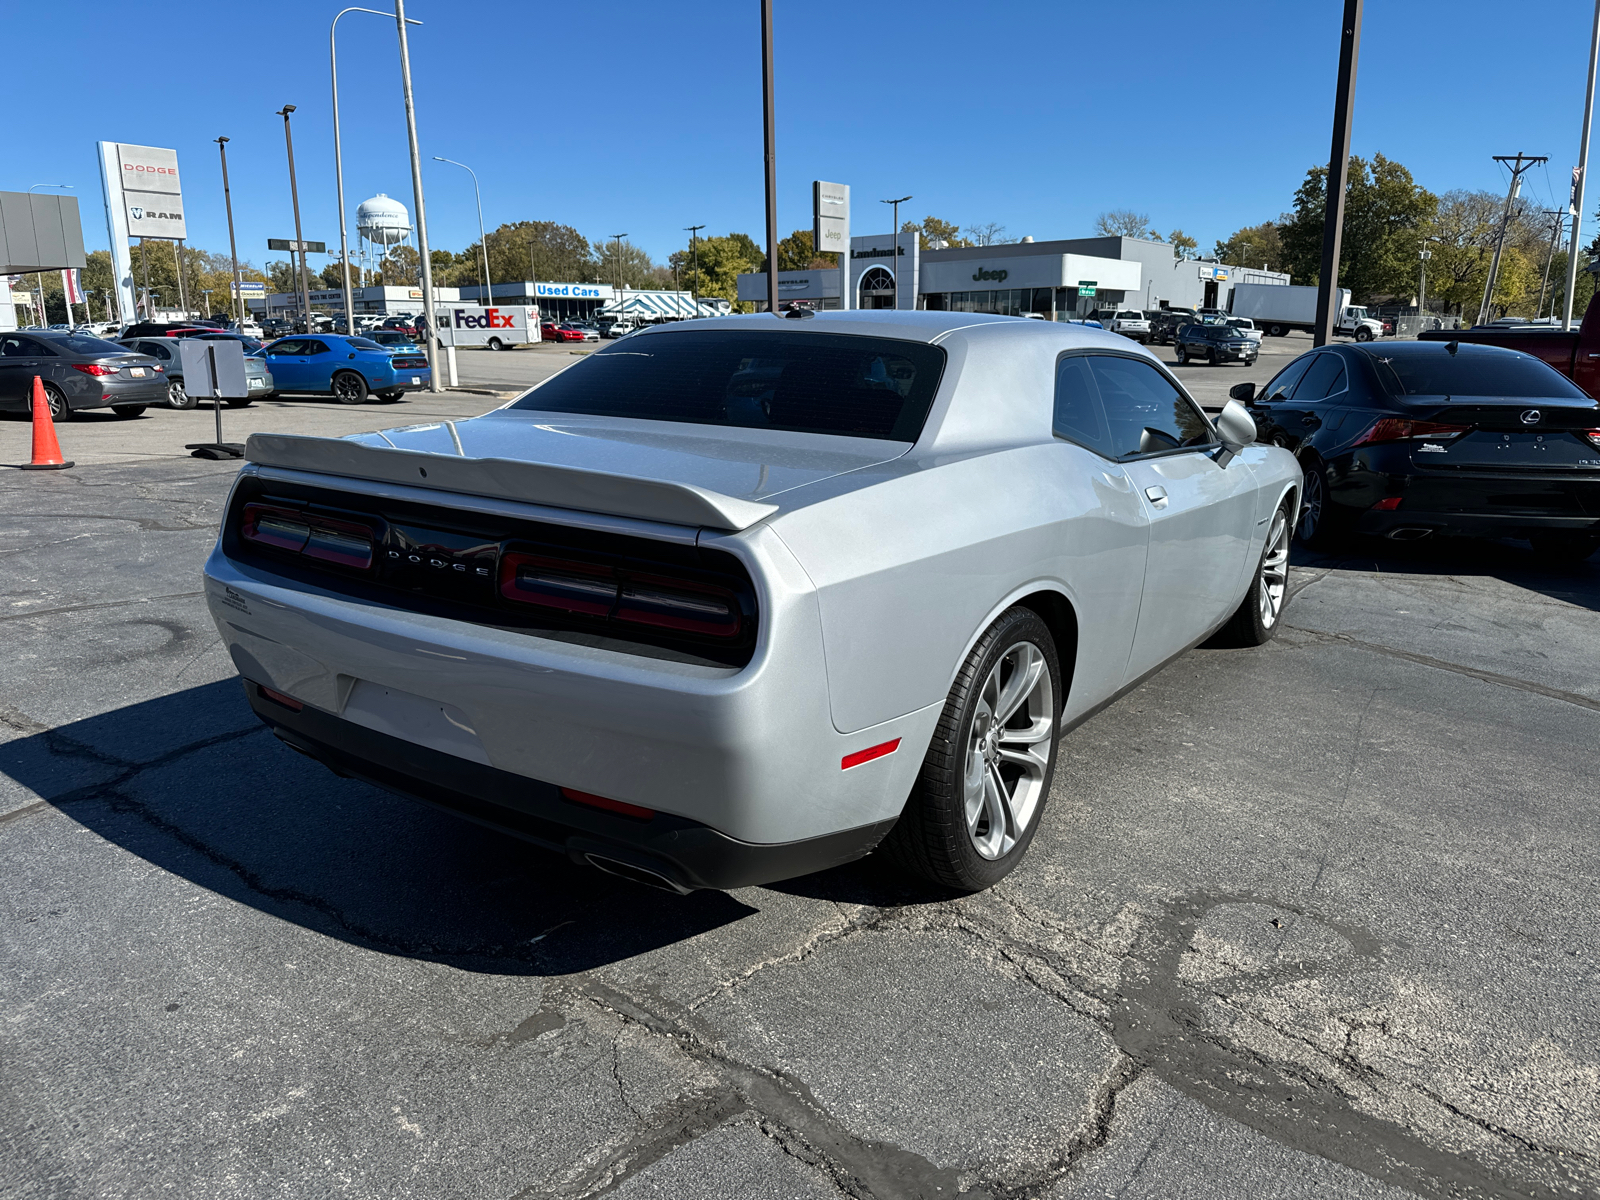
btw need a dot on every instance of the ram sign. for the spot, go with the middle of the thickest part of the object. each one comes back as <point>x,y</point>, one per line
<point>152,192</point>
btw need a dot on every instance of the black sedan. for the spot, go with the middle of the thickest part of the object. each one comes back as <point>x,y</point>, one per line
<point>1216,344</point>
<point>78,372</point>
<point>1410,440</point>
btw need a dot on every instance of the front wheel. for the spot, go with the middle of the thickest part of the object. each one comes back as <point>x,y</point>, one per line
<point>1363,334</point>
<point>987,774</point>
<point>1181,354</point>
<point>56,401</point>
<point>349,388</point>
<point>1258,616</point>
<point>1278,330</point>
<point>1212,359</point>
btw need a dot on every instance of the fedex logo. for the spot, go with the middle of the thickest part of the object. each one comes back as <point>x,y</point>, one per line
<point>492,318</point>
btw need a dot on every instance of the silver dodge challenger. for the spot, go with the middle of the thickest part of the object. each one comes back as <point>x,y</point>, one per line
<point>739,599</point>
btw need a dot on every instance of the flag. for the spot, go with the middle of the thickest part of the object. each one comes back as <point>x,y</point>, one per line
<point>74,286</point>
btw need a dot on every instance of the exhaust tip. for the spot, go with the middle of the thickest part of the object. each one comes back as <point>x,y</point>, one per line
<point>636,874</point>
<point>1409,533</point>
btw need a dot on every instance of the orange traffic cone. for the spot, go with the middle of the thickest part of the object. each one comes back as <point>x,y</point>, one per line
<point>46,450</point>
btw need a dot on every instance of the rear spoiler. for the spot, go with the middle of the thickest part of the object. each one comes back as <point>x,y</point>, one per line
<point>508,479</point>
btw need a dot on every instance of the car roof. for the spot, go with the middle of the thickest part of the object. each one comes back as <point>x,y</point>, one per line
<point>908,326</point>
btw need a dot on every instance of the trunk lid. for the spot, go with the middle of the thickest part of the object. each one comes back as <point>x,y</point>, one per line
<point>1513,436</point>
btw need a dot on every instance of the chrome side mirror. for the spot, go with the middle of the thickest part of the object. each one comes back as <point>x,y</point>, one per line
<point>1236,428</point>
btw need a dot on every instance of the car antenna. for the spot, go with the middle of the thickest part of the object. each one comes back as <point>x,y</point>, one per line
<point>1451,348</point>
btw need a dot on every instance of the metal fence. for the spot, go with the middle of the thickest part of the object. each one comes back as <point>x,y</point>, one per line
<point>1411,324</point>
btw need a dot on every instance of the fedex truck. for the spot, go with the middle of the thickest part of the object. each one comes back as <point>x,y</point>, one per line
<point>497,327</point>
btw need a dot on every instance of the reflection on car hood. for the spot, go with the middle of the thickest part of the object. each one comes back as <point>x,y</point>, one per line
<point>750,464</point>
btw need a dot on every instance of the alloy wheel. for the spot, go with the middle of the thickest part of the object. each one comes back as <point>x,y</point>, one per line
<point>1275,570</point>
<point>1008,750</point>
<point>1311,503</point>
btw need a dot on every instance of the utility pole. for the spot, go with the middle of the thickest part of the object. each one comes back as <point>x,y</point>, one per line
<point>769,128</point>
<point>233,248</point>
<point>1557,220</point>
<point>294,193</point>
<point>1518,166</point>
<point>177,261</point>
<point>422,211</point>
<point>694,250</point>
<point>1578,174</point>
<point>1422,280</point>
<point>894,248</point>
<point>1338,173</point>
<point>616,273</point>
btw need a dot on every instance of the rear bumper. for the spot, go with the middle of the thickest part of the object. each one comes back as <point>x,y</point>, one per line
<point>664,850</point>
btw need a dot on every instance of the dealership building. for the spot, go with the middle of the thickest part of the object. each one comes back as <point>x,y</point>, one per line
<point>555,301</point>
<point>1059,280</point>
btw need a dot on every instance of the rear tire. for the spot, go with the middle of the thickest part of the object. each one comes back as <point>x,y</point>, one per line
<point>1319,528</point>
<point>1260,613</point>
<point>1278,330</point>
<point>177,397</point>
<point>390,397</point>
<point>987,774</point>
<point>56,400</point>
<point>1181,354</point>
<point>1564,547</point>
<point>349,388</point>
<point>496,344</point>
<point>128,410</point>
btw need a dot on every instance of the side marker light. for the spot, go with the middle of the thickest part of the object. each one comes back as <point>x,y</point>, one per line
<point>881,750</point>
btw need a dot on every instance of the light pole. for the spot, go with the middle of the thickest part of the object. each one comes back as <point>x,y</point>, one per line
<point>43,317</point>
<point>770,136</point>
<point>432,313</point>
<point>1579,176</point>
<point>206,292</point>
<point>894,248</point>
<point>483,238</point>
<point>1423,255</point>
<point>233,248</point>
<point>338,161</point>
<point>622,313</point>
<point>294,194</point>
<point>694,250</point>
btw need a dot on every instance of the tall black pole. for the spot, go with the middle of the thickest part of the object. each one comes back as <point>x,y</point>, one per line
<point>1338,173</point>
<point>294,195</point>
<point>233,249</point>
<point>772,156</point>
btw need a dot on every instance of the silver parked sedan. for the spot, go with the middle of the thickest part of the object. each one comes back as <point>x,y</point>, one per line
<point>736,600</point>
<point>167,350</point>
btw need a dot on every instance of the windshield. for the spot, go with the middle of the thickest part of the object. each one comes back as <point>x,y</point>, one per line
<point>807,382</point>
<point>79,343</point>
<point>1470,371</point>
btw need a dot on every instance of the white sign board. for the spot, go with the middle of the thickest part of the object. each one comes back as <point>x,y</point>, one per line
<point>227,382</point>
<point>152,191</point>
<point>830,203</point>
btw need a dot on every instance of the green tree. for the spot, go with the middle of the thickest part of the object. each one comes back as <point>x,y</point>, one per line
<point>1183,246</point>
<point>1385,214</point>
<point>401,267</point>
<point>1124,222</point>
<point>624,263</point>
<point>1253,246</point>
<point>551,251</point>
<point>936,234</point>
<point>796,253</point>
<point>722,261</point>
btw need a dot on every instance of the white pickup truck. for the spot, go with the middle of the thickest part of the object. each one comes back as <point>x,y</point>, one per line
<point>1129,323</point>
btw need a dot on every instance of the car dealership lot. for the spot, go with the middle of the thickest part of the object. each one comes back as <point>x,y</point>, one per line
<point>1316,919</point>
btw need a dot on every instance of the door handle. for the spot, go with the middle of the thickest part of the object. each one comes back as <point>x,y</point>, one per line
<point>1157,496</point>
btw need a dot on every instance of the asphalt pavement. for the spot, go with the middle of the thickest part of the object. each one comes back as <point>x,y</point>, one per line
<point>1313,920</point>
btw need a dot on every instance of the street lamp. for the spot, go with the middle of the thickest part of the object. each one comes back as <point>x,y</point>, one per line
<point>294,193</point>
<point>432,314</point>
<point>621,304</point>
<point>894,248</point>
<point>338,161</point>
<point>483,239</point>
<point>1424,254</point>
<point>233,248</point>
<point>694,249</point>
<point>43,316</point>
<point>206,292</point>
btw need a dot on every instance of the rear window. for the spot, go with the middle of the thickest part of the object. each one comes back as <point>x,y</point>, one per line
<point>85,345</point>
<point>1470,371</point>
<point>361,343</point>
<point>806,382</point>
<point>1130,316</point>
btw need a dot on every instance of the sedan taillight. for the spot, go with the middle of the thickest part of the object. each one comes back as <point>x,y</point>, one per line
<point>1593,436</point>
<point>343,543</point>
<point>95,369</point>
<point>1398,429</point>
<point>597,590</point>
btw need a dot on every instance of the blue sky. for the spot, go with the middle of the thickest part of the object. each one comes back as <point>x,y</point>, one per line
<point>645,117</point>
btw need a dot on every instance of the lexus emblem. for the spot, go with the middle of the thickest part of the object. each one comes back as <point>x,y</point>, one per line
<point>1531,417</point>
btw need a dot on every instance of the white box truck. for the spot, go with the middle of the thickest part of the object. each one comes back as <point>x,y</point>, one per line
<point>1277,308</point>
<point>497,327</point>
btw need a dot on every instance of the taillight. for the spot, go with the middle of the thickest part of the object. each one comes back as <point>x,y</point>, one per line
<point>608,804</point>
<point>95,369</point>
<point>1396,429</point>
<point>1593,436</point>
<point>343,543</point>
<point>595,589</point>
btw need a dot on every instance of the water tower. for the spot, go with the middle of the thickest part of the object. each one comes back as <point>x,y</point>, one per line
<point>381,223</point>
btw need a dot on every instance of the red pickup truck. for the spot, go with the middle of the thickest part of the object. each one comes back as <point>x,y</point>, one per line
<point>1576,354</point>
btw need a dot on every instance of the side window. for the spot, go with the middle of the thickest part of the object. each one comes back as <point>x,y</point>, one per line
<point>10,347</point>
<point>1079,416</point>
<point>1144,411</point>
<point>315,347</point>
<point>287,346</point>
<point>1325,377</point>
<point>1282,387</point>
